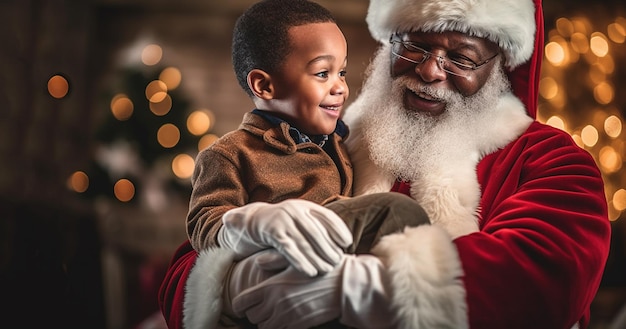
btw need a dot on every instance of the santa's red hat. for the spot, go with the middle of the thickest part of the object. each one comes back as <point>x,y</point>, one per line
<point>508,23</point>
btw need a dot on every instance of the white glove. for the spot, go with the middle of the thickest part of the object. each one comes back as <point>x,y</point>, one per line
<point>249,272</point>
<point>310,236</point>
<point>353,292</point>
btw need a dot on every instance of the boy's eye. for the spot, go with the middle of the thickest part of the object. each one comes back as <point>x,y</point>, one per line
<point>323,74</point>
<point>343,73</point>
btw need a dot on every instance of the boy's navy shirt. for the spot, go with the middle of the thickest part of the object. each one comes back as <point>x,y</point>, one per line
<point>340,129</point>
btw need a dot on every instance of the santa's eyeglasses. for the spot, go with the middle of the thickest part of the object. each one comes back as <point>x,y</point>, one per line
<point>453,63</point>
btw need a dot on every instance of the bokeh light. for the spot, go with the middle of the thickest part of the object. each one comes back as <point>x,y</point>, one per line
<point>58,87</point>
<point>564,26</point>
<point>163,106</point>
<point>619,200</point>
<point>616,32</point>
<point>607,64</point>
<point>206,141</point>
<point>578,140</point>
<point>151,54</point>
<point>610,161</point>
<point>597,74</point>
<point>603,93</point>
<point>124,190</point>
<point>78,182</point>
<point>182,166</point>
<point>121,107</point>
<point>555,53</point>
<point>613,126</point>
<point>581,24</point>
<point>556,122</point>
<point>171,76</point>
<point>199,122</point>
<point>589,135</point>
<point>548,88</point>
<point>599,45</point>
<point>580,43</point>
<point>168,135</point>
<point>156,91</point>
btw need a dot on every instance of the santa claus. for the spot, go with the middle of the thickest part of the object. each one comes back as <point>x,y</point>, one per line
<point>519,233</point>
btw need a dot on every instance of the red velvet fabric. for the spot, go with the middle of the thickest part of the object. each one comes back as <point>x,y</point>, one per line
<point>525,78</point>
<point>403,187</point>
<point>544,235</point>
<point>172,292</point>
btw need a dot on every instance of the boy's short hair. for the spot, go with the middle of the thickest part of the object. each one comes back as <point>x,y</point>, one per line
<point>261,39</point>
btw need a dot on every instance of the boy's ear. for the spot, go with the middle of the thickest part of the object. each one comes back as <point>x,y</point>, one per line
<point>260,82</point>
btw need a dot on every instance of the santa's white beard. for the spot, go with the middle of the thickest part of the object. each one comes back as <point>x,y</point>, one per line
<point>408,144</point>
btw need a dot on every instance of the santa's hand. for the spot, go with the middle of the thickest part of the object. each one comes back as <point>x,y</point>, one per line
<point>353,292</point>
<point>249,272</point>
<point>307,234</point>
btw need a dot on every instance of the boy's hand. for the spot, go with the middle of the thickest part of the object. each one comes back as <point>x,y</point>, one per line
<point>310,236</point>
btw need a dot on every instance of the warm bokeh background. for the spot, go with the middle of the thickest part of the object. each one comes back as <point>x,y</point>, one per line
<point>105,104</point>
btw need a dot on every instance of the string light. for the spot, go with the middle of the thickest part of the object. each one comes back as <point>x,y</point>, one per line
<point>159,96</point>
<point>573,39</point>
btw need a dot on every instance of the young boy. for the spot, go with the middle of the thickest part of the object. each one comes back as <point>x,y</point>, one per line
<point>287,157</point>
<point>290,57</point>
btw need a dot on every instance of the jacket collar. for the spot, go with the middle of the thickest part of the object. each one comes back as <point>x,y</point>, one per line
<point>278,133</point>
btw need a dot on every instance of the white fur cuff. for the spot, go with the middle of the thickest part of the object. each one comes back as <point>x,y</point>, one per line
<point>203,292</point>
<point>425,278</point>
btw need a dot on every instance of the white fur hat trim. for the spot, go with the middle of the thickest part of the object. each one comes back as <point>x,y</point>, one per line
<point>508,23</point>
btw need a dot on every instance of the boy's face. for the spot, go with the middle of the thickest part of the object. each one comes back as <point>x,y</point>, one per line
<point>311,87</point>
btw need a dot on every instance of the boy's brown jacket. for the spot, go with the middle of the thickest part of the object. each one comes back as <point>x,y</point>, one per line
<point>260,162</point>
